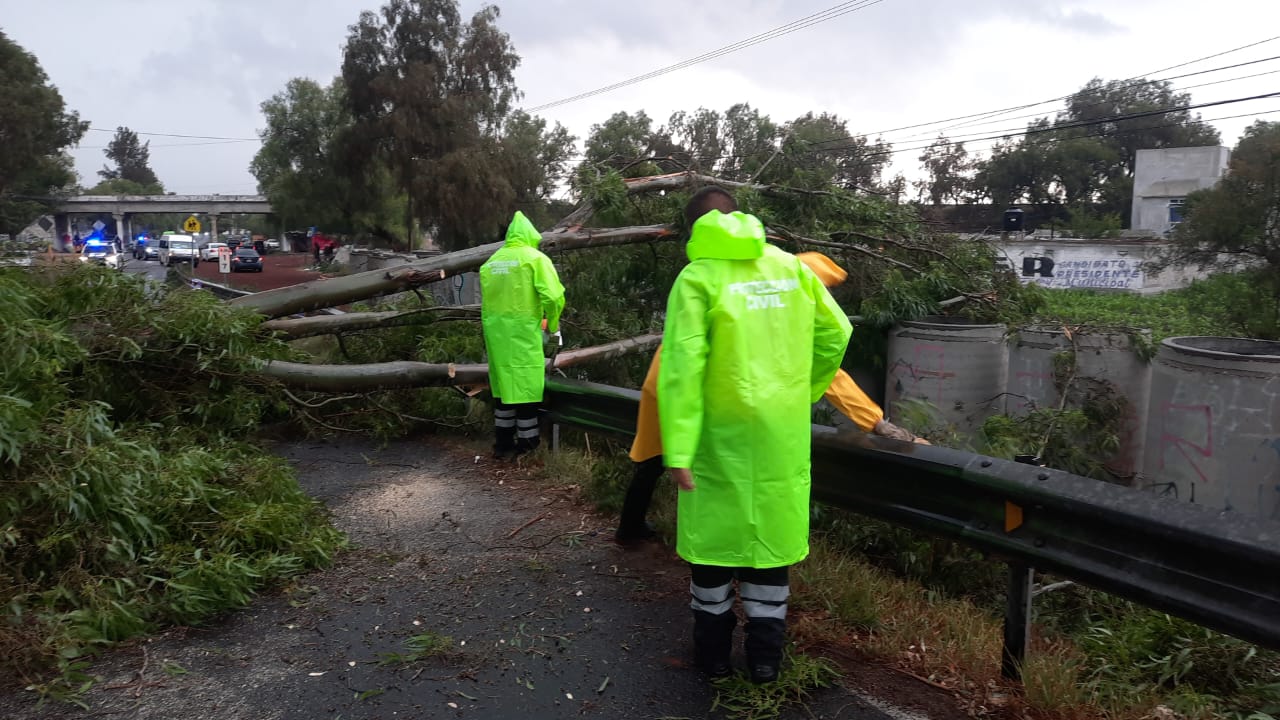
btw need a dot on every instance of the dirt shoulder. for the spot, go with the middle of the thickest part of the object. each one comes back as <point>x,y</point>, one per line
<point>547,617</point>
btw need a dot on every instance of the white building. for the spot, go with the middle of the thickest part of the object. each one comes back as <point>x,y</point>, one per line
<point>1163,178</point>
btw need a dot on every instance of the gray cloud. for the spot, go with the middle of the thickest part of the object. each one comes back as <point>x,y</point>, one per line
<point>204,66</point>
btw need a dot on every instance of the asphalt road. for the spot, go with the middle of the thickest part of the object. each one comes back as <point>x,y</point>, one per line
<point>152,269</point>
<point>545,617</point>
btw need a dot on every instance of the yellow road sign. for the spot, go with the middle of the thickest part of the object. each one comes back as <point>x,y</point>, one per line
<point>192,225</point>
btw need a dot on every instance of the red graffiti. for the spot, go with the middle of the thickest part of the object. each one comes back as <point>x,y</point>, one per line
<point>1027,382</point>
<point>1184,416</point>
<point>918,371</point>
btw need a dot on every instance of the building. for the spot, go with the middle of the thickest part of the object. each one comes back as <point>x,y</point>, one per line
<point>1163,178</point>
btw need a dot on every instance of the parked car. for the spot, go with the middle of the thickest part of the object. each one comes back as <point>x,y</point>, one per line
<point>272,244</point>
<point>210,251</point>
<point>178,248</point>
<point>246,259</point>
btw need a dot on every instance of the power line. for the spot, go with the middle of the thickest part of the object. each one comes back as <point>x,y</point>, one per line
<point>188,137</point>
<point>830,13</point>
<point>1068,126</point>
<point>993,113</point>
<point>168,145</point>
<point>915,137</point>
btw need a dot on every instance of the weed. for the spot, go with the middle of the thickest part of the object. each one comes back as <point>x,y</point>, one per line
<point>420,647</point>
<point>801,674</point>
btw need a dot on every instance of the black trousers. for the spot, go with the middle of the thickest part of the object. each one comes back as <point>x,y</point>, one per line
<point>764,599</point>
<point>639,494</point>
<point>515,427</point>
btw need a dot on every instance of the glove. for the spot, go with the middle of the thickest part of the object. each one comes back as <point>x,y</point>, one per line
<point>884,428</point>
<point>559,340</point>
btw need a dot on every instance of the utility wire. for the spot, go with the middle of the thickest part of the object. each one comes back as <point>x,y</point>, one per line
<point>1035,131</point>
<point>830,13</point>
<point>1099,104</point>
<point>178,135</point>
<point>1128,83</point>
<point>1131,82</point>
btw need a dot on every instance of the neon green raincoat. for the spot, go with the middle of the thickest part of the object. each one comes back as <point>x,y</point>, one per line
<point>518,288</point>
<point>752,339</point>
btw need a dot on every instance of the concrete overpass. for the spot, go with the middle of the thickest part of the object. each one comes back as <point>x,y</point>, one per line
<point>193,204</point>
<point>120,207</point>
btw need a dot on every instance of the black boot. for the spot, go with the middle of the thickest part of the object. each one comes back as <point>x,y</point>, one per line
<point>632,527</point>
<point>764,644</point>
<point>713,642</point>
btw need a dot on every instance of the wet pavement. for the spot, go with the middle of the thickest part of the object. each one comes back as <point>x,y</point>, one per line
<point>545,616</point>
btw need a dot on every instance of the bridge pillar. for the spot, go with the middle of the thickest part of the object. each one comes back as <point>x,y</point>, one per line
<point>61,228</point>
<point>213,227</point>
<point>119,218</point>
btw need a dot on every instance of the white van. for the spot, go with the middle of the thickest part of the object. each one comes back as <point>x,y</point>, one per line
<point>178,248</point>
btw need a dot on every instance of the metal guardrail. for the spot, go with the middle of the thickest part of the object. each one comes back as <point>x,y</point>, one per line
<point>1218,569</point>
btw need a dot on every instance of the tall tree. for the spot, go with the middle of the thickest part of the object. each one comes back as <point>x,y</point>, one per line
<point>698,137</point>
<point>132,159</point>
<point>35,131</point>
<point>429,94</point>
<point>750,140</point>
<point>948,166</point>
<point>537,162</point>
<point>301,166</point>
<point>1240,216</point>
<point>819,150</point>
<point>618,141</point>
<point>1068,163</point>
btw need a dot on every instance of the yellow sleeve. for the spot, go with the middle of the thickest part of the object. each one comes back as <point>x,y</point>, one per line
<point>648,440</point>
<point>852,402</point>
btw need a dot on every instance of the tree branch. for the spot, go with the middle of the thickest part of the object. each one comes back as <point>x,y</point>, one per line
<point>328,292</point>
<point>407,374</point>
<point>294,328</point>
<point>788,235</point>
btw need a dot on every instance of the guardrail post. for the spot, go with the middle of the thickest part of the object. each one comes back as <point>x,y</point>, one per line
<point>1017,611</point>
<point>1017,620</point>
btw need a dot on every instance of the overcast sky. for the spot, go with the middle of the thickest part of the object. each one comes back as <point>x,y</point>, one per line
<point>202,67</point>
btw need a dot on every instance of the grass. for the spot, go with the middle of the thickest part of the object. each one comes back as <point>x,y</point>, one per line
<point>1236,305</point>
<point>419,647</point>
<point>801,674</point>
<point>932,609</point>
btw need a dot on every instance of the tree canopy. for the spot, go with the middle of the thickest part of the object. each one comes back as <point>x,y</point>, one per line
<point>301,166</point>
<point>132,159</point>
<point>35,130</point>
<point>429,94</point>
<point>1084,155</point>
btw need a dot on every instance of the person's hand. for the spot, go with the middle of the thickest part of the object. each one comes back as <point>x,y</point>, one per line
<point>884,428</point>
<point>557,337</point>
<point>683,478</point>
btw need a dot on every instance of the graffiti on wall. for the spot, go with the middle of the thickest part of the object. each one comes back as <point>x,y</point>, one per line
<point>1083,272</point>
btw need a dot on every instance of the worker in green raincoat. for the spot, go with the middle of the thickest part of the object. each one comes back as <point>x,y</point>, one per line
<point>519,289</point>
<point>752,339</point>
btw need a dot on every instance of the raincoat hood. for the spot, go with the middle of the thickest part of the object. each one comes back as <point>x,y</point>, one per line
<point>522,233</point>
<point>736,236</point>
<point>824,267</point>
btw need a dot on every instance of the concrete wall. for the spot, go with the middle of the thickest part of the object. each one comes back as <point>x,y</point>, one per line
<point>1169,174</point>
<point>1119,265</point>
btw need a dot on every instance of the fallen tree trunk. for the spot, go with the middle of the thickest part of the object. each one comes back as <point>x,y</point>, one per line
<point>680,180</point>
<point>409,374</point>
<point>295,328</point>
<point>316,294</point>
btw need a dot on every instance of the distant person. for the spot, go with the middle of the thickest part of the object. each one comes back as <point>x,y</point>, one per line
<point>646,450</point>
<point>519,288</point>
<point>752,339</point>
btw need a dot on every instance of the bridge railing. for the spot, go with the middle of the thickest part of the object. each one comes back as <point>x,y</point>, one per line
<point>1220,570</point>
